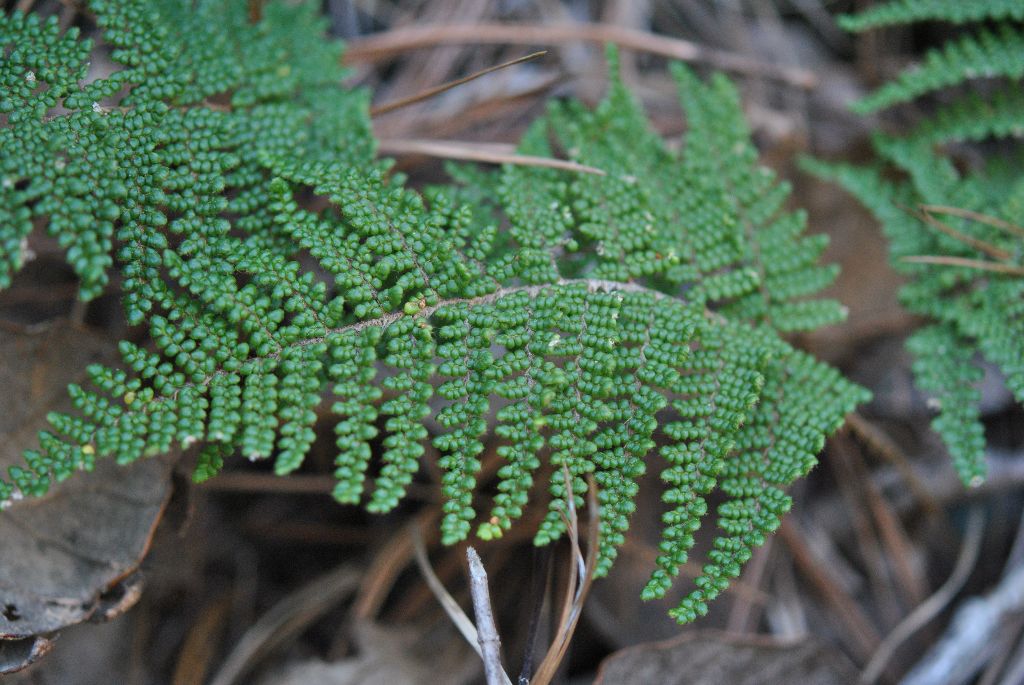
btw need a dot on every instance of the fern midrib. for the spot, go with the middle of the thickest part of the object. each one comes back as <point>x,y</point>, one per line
<point>592,284</point>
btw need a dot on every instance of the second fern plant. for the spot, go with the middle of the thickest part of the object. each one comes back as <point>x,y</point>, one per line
<point>954,225</point>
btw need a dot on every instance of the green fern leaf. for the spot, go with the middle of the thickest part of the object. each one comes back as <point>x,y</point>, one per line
<point>579,322</point>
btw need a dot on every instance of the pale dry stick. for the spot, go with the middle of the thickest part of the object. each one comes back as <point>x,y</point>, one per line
<point>1012,656</point>
<point>928,609</point>
<point>970,639</point>
<point>487,632</point>
<point>437,90</point>
<point>979,264</point>
<point>996,222</point>
<point>382,45</point>
<point>448,603</point>
<point>490,153</point>
<point>1008,659</point>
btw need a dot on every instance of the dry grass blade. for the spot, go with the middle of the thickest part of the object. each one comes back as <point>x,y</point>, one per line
<point>448,603</point>
<point>880,444</point>
<point>387,564</point>
<point>860,634</point>
<point>976,216</point>
<point>201,643</point>
<point>477,152</point>
<point>285,620</point>
<point>582,570</point>
<point>383,45</point>
<point>437,90</point>
<point>927,610</point>
<point>980,264</point>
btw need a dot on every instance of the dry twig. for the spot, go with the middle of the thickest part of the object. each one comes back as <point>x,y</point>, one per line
<point>487,632</point>
<point>975,216</point>
<point>448,603</point>
<point>382,45</point>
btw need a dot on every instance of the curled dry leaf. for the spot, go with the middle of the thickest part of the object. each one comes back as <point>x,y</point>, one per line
<point>70,556</point>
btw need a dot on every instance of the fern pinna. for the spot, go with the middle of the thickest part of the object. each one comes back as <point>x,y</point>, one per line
<point>579,321</point>
<point>953,222</point>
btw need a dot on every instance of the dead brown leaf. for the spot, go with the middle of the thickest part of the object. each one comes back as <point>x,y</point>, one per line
<point>69,556</point>
<point>709,657</point>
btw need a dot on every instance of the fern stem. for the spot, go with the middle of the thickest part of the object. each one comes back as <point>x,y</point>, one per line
<point>593,285</point>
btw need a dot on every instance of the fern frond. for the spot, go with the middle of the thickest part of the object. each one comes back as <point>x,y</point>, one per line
<point>952,11</point>
<point>990,53</point>
<point>614,314</point>
<point>974,118</point>
<point>943,367</point>
<point>975,311</point>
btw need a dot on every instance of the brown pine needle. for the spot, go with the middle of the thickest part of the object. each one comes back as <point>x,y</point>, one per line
<point>998,267</point>
<point>382,45</point>
<point>437,90</point>
<point>976,216</point>
<point>581,576</point>
<point>980,245</point>
<point>477,152</point>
